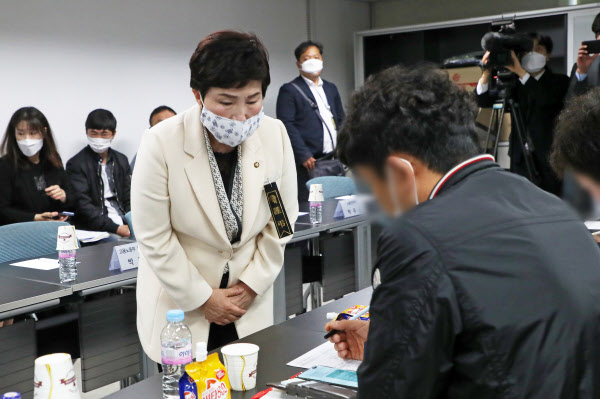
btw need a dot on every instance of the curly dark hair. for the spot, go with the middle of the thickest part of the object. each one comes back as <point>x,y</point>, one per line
<point>229,59</point>
<point>415,110</point>
<point>576,143</point>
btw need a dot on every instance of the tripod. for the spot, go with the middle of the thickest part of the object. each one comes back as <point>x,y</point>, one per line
<point>507,103</point>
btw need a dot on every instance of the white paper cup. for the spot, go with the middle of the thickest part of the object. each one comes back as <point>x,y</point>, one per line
<point>241,361</point>
<point>55,377</point>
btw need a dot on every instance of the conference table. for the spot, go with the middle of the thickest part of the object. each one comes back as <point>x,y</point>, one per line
<point>41,288</point>
<point>18,296</point>
<point>279,344</point>
<point>25,290</point>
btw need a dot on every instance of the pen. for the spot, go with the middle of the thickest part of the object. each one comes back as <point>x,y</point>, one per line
<point>356,316</point>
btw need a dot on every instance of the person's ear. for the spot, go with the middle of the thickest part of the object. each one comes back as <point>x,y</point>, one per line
<point>114,134</point>
<point>298,64</point>
<point>402,174</point>
<point>198,97</point>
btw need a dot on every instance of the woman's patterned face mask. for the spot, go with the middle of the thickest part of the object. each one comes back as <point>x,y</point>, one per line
<point>227,131</point>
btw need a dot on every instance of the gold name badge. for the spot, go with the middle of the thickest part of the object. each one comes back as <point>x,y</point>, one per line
<point>280,218</point>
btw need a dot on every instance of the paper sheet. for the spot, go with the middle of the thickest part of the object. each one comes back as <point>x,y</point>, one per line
<point>593,225</point>
<point>39,264</point>
<point>324,355</point>
<point>91,236</point>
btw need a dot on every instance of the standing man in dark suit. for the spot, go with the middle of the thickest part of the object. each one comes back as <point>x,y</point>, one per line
<point>540,94</point>
<point>312,137</point>
<point>585,73</point>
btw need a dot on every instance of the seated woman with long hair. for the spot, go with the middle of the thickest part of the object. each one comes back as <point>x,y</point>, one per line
<point>33,183</point>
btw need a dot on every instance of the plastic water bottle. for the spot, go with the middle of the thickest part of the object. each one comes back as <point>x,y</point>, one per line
<point>68,265</point>
<point>11,395</point>
<point>316,212</point>
<point>176,352</point>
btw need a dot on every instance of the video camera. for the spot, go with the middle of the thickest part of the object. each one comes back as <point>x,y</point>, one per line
<point>503,39</point>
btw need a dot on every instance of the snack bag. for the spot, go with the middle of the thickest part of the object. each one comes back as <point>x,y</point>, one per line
<point>205,380</point>
<point>348,313</point>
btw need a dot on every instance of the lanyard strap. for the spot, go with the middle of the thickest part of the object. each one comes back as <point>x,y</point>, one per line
<point>315,107</point>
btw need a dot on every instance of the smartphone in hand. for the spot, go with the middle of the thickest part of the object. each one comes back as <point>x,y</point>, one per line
<point>593,46</point>
<point>62,214</point>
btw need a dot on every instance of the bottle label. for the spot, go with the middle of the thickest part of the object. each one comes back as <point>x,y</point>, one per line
<point>66,254</point>
<point>177,356</point>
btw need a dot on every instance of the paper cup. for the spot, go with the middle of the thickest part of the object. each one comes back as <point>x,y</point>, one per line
<point>316,193</point>
<point>241,361</point>
<point>55,377</point>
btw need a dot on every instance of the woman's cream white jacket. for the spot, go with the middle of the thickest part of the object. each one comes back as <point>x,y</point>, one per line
<point>178,224</point>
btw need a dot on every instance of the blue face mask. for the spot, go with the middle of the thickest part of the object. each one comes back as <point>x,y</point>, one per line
<point>227,131</point>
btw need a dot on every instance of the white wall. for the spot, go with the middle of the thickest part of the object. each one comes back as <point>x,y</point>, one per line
<point>69,57</point>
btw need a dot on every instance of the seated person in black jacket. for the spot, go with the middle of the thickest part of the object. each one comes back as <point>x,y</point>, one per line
<point>540,94</point>
<point>101,178</point>
<point>33,184</point>
<point>576,148</point>
<point>485,286</point>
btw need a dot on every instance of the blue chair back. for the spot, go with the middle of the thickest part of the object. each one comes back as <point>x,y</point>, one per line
<point>130,223</point>
<point>334,186</point>
<point>28,240</point>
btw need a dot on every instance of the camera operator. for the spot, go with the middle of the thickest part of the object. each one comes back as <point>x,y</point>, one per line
<point>586,71</point>
<point>540,94</point>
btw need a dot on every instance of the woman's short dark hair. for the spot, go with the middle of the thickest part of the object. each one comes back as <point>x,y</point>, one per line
<point>417,111</point>
<point>36,121</point>
<point>576,143</point>
<point>101,119</point>
<point>543,40</point>
<point>229,59</point>
<point>302,47</point>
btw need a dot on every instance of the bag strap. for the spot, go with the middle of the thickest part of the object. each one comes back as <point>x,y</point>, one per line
<point>315,107</point>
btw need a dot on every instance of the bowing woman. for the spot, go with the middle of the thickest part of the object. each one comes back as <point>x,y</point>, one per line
<point>208,242</point>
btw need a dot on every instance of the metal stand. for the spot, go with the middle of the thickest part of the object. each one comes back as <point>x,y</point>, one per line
<point>316,290</point>
<point>495,127</point>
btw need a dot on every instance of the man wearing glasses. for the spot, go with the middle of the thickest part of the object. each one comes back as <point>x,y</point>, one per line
<point>101,178</point>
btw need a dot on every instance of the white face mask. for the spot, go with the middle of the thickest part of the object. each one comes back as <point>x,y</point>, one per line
<point>312,66</point>
<point>533,62</point>
<point>99,145</point>
<point>392,189</point>
<point>227,131</point>
<point>30,147</point>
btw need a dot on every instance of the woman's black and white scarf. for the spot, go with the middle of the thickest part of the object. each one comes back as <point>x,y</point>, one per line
<point>236,203</point>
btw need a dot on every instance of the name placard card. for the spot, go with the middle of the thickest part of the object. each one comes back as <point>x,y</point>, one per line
<point>125,257</point>
<point>348,208</point>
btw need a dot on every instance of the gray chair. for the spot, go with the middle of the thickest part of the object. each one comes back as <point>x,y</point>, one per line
<point>334,186</point>
<point>28,240</point>
<point>130,223</point>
